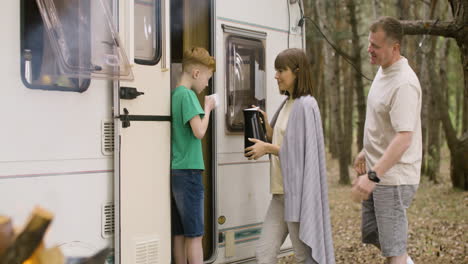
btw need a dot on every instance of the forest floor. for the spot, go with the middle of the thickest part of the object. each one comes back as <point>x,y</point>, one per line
<point>438,223</point>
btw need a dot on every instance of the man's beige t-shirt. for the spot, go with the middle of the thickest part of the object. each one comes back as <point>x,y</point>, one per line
<point>394,105</point>
<point>276,177</point>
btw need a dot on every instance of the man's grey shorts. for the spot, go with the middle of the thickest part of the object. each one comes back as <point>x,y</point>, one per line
<point>384,222</point>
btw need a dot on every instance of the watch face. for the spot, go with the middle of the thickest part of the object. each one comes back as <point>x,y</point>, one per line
<point>373,176</point>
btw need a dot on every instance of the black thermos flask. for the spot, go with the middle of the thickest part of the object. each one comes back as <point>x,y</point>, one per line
<point>253,126</point>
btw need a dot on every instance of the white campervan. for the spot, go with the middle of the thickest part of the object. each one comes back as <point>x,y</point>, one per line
<point>85,114</point>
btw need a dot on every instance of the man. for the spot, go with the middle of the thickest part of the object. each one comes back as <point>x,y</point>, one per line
<point>392,145</point>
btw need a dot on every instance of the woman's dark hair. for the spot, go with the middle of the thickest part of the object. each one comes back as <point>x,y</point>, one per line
<point>297,61</point>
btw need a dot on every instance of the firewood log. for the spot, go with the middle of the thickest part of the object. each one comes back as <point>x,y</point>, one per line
<point>34,258</point>
<point>51,256</point>
<point>29,239</point>
<point>6,233</point>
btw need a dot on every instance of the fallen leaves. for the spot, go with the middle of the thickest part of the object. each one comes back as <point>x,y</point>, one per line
<point>437,224</point>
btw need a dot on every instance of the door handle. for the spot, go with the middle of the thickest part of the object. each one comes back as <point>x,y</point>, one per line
<point>125,118</point>
<point>129,93</point>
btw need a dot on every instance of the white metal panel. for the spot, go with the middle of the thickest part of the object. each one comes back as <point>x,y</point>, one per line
<point>243,186</point>
<point>51,153</point>
<point>45,125</point>
<point>270,13</point>
<point>144,187</point>
<point>245,190</point>
<point>154,81</point>
<point>75,201</point>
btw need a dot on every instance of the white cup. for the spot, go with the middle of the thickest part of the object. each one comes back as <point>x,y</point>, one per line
<point>215,98</point>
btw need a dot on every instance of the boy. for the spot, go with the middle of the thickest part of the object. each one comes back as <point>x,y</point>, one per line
<point>189,124</point>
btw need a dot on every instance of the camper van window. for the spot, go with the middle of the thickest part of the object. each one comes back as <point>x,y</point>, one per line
<point>245,78</point>
<point>147,31</point>
<point>39,67</point>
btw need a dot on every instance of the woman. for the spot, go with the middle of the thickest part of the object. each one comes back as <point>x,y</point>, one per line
<point>299,204</point>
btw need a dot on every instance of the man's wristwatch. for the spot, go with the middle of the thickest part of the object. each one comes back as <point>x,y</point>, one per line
<point>372,175</point>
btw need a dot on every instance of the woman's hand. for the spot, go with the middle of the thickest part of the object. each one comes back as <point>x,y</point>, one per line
<point>264,116</point>
<point>264,119</point>
<point>256,151</point>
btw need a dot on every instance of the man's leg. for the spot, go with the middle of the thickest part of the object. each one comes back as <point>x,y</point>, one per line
<point>391,203</point>
<point>194,250</point>
<point>369,229</point>
<point>274,232</point>
<point>398,260</point>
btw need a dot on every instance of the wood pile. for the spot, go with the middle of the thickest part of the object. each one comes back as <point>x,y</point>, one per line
<point>27,247</point>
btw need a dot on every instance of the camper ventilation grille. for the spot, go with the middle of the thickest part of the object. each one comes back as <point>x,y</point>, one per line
<point>147,251</point>
<point>108,213</point>
<point>107,142</point>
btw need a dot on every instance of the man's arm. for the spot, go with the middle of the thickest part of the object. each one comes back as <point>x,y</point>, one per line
<point>398,146</point>
<point>363,187</point>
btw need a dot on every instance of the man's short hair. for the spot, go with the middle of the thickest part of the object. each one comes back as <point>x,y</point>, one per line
<point>391,26</point>
<point>198,56</point>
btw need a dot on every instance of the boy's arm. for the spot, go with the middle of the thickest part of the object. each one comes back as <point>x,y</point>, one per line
<point>200,125</point>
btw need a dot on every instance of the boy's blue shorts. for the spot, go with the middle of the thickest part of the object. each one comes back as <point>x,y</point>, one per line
<point>187,206</point>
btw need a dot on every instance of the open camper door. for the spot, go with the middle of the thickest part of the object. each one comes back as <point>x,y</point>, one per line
<point>90,47</point>
<point>143,166</point>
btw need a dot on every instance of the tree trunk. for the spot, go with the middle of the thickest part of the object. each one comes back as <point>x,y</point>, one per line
<point>433,127</point>
<point>359,85</point>
<point>459,166</point>
<point>348,111</point>
<point>458,29</point>
<point>377,8</point>
<point>463,44</point>
<point>403,10</point>
<point>316,53</point>
<point>459,109</point>
<point>342,96</point>
<point>427,62</point>
<point>335,115</point>
<point>326,11</point>
<point>425,81</point>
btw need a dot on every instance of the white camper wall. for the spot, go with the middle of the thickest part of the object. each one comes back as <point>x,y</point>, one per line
<point>244,186</point>
<point>51,148</point>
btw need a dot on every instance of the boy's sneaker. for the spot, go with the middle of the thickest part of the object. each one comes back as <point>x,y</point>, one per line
<point>409,260</point>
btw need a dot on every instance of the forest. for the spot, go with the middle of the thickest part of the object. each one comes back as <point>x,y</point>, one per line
<point>436,45</point>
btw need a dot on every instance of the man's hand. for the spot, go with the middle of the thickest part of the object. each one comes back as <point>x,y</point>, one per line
<point>362,188</point>
<point>257,150</point>
<point>360,163</point>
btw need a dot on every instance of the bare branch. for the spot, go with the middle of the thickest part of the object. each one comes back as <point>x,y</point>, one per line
<point>430,27</point>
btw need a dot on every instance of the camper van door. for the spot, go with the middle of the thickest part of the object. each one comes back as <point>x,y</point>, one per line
<point>142,185</point>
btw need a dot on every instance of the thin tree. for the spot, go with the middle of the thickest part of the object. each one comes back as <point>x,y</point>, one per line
<point>457,29</point>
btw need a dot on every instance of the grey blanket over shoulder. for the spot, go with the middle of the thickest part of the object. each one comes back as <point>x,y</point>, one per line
<point>302,158</point>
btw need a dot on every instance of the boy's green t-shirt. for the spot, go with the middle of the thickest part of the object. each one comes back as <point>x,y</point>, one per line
<point>186,148</point>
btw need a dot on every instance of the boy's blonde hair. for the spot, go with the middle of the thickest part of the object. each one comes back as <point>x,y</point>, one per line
<point>198,56</point>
